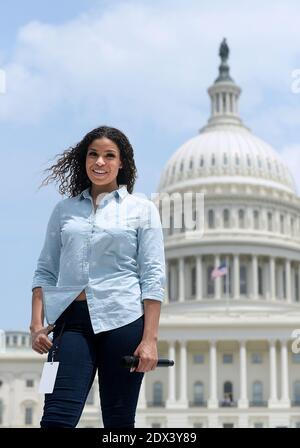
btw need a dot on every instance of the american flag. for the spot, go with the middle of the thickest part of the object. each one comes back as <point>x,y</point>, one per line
<point>219,271</point>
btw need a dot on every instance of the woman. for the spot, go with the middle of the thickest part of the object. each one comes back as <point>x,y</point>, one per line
<point>99,282</point>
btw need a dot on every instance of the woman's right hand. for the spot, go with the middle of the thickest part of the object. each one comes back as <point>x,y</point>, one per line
<point>40,341</point>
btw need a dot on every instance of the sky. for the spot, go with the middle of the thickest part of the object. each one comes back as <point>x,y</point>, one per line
<point>141,66</point>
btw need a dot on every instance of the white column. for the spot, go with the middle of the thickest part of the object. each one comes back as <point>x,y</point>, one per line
<point>285,401</point>
<point>236,276</point>
<point>243,401</point>
<point>273,400</point>
<point>254,277</point>
<point>218,279</point>
<point>288,281</point>
<point>227,103</point>
<point>181,279</point>
<point>199,279</point>
<point>272,279</point>
<point>183,398</point>
<point>171,400</point>
<point>213,399</point>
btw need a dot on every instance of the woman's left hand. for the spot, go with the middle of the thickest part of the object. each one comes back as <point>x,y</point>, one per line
<point>147,352</point>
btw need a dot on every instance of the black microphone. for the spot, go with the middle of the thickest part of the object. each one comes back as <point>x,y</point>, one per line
<point>133,361</point>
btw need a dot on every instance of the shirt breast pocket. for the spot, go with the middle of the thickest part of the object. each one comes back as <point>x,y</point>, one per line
<point>123,239</point>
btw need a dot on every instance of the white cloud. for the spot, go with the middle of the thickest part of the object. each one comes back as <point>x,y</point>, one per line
<point>150,63</point>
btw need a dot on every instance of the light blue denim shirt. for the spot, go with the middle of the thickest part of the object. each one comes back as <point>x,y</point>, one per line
<point>115,253</point>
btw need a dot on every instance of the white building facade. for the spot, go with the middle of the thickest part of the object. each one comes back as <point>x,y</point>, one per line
<point>231,338</point>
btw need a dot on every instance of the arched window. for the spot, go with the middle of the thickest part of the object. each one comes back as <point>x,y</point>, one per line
<point>237,160</point>
<point>181,166</point>
<point>224,101</point>
<point>270,221</point>
<point>226,218</point>
<point>217,103</point>
<point>257,392</point>
<point>191,164</point>
<point>281,224</point>
<point>28,415</point>
<point>225,159</point>
<point>256,219</point>
<point>259,162</point>
<point>157,393</point>
<point>241,219</point>
<point>213,160</point>
<point>201,161</point>
<point>198,392</point>
<point>211,219</point>
<point>292,226</point>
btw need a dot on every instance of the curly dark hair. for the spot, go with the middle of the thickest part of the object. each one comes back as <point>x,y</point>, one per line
<point>70,168</point>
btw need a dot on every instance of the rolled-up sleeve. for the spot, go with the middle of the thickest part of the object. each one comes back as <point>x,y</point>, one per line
<point>151,256</point>
<point>48,262</point>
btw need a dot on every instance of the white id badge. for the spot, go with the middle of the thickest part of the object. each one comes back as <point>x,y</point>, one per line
<point>48,377</point>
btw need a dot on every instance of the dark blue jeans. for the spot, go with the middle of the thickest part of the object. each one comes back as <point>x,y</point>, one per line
<point>81,353</point>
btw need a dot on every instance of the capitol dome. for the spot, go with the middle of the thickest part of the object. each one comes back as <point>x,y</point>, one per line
<point>225,149</point>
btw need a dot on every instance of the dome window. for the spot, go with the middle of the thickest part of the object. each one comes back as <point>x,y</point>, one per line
<point>213,160</point>
<point>270,221</point>
<point>256,219</point>
<point>211,219</point>
<point>181,166</point>
<point>224,102</point>
<point>226,218</point>
<point>217,103</point>
<point>292,225</point>
<point>248,160</point>
<point>259,162</point>
<point>174,169</point>
<point>191,164</point>
<point>281,224</point>
<point>201,161</point>
<point>241,219</point>
<point>237,160</point>
<point>225,159</point>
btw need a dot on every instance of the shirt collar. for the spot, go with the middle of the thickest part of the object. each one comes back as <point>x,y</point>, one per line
<point>121,191</point>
